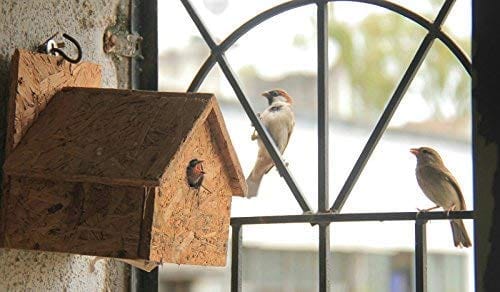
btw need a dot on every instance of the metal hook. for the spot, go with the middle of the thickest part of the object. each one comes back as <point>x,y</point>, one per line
<point>61,52</point>
<point>47,46</point>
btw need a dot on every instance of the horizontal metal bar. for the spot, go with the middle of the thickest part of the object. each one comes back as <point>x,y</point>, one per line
<point>351,217</point>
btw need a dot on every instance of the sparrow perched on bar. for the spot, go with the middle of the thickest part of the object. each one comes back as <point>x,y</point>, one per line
<point>439,185</point>
<point>279,120</point>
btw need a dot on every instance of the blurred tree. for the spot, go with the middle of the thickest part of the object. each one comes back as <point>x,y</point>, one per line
<point>374,53</point>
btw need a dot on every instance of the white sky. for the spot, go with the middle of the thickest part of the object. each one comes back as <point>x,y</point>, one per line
<point>280,29</point>
<point>253,48</point>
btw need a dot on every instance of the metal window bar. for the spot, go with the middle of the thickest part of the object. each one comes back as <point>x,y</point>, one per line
<point>144,75</point>
<point>323,217</point>
<point>323,141</point>
<point>420,255</point>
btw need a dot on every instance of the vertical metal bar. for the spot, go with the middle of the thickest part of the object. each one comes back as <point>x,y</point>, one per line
<point>323,109</point>
<point>420,256</point>
<point>485,133</point>
<point>323,131</point>
<point>144,22</point>
<point>142,281</point>
<point>144,75</point>
<point>391,107</point>
<point>324,257</point>
<point>236,258</point>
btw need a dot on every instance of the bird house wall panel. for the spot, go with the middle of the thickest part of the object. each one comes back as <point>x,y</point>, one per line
<point>191,226</point>
<point>83,218</point>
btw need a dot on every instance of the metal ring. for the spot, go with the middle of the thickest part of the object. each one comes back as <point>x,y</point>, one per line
<point>61,52</point>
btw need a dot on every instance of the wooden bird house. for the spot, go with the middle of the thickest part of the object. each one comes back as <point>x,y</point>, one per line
<point>103,172</point>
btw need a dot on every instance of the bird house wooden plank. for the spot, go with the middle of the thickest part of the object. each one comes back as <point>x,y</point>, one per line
<point>81,218</point>
<point>103,172</point>
<point>35,78</point>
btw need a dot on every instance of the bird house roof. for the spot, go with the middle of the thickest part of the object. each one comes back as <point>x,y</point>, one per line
<point>115,136</point>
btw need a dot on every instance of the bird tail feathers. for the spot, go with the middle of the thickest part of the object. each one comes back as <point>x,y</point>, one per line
<point>253,182</point>
<point>460,236</point>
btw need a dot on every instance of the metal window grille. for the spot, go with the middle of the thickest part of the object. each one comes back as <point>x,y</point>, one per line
<point>326,214</point>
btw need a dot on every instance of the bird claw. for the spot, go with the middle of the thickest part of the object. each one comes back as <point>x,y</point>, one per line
<point>426,210</point>
<point>452,208</point>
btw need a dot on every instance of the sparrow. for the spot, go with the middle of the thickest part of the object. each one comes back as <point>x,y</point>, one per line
<point>439,185</point>
<point>195,173</point>
<point>279,120</point>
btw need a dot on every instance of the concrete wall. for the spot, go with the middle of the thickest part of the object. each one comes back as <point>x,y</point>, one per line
<point>25,24</point>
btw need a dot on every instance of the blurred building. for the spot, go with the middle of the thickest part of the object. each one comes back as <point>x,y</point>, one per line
<point>296,271</point>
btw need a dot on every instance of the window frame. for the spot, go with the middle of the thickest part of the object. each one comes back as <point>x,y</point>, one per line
<point>145,76</point>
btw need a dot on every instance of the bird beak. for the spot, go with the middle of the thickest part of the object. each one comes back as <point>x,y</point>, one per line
<point>414,151</point>
<point>202,171</point>
<point>266,94</point>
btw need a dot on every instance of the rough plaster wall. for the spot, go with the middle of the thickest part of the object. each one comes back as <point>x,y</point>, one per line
<point>24,24</point>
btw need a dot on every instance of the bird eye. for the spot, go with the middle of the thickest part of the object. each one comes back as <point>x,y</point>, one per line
<point>425,151</point>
